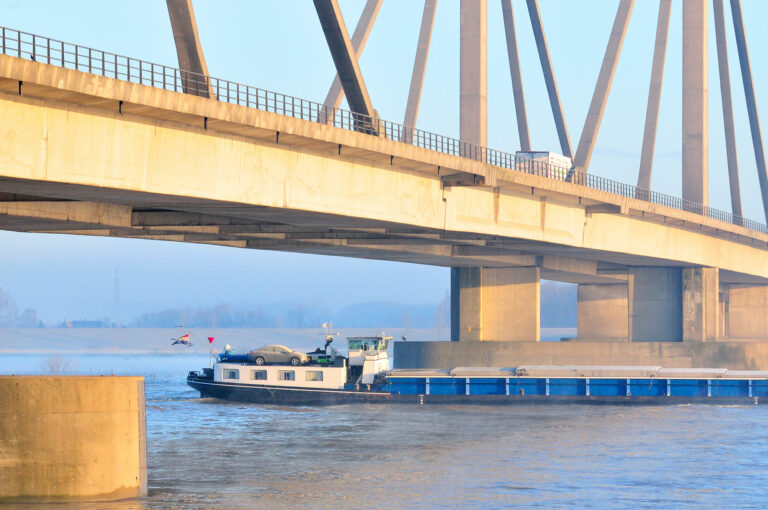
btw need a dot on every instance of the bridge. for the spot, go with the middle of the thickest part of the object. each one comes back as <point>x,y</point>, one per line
<point>95,143</point>
<point>107,145</point>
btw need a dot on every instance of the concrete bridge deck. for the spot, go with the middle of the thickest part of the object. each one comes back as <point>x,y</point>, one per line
<point>88,154</point>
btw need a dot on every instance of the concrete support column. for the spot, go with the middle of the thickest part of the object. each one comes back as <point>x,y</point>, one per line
<point>603,312</point>
<point>655,304</point>
<point>495,304</point>
<point>700,304</point>
<point>695,116</point>
<point>746,312</point>
<point>474,72</point>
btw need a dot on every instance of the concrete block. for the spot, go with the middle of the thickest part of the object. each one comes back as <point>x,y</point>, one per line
<point>496,304</point>
<point>603,312</point>
<point>655,304</point>
<point>448,355</point>
<point>65,438</point>
<point>747,307</point>
<point>701,319</point>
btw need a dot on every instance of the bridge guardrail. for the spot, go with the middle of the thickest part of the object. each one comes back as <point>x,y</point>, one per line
<point>72,56</point>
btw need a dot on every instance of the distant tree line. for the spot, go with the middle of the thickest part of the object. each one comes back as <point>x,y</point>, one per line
<point>558,309</point>
<point>362,315</point>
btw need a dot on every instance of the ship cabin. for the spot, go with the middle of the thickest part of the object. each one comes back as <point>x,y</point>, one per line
<point>303,376</point>
<point>368,358</point>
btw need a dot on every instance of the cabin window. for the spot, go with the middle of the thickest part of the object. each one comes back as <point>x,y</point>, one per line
<point>314,375</point>
<point>231,374</point>
<point>258,375</point>
<point>286,375</point>
<point>355,345</point>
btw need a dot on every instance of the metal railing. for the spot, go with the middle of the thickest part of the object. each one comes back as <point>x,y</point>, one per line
<point>71,56</point>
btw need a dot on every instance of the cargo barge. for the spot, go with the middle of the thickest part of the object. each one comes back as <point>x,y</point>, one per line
<point>365,377</point>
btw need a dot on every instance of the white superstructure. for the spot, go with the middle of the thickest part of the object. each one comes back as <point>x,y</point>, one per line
<point>303,376</point>
<point>370,353</point>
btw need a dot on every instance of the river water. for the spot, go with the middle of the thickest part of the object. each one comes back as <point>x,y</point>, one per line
<point>204,453</point>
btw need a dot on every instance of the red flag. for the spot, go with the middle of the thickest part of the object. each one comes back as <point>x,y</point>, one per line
<point>210,339</point>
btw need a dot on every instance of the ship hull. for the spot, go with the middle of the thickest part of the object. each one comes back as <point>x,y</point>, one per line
<point>314,397</point>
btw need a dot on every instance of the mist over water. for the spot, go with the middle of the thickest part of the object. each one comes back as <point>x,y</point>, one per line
<point>204,453</point>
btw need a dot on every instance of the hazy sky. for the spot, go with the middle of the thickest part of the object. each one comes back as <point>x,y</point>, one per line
<point>279,45</point>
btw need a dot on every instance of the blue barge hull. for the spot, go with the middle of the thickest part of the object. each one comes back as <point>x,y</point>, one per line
<point>517,390</point>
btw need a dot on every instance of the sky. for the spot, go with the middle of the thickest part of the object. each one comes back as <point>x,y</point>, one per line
<point>279,46</point>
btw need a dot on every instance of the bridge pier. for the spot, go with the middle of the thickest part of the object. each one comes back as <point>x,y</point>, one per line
<point>495,304</point>
<point>72,438</point>
<point>647,308</point>
<point>745,316</point>
<point>603,312</point>
<point>701,310</point>
<point>655,304</point>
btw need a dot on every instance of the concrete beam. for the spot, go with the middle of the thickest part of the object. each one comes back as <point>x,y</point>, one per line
<point>473,84</point>
<point>517,78</point>
<point>171,218</point>
<point>654,96</point>
<point>359,38</point>
<point>695,107</point>
<point>344,58</point>
<point>603,86</point>
<point>725,96</point>
<point>419,66</point>
<point>567,264</point>
<point>396,249</point>
<point>100,232</point>
<point>96,213</point>
<point>549,78</point>
<point>188,49</point>
<point>749,93</point>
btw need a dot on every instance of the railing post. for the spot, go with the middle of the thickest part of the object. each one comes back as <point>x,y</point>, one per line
<point>63,57</point>
<point>89,60</point>
<point>77,51</point>
<point>34,46</point>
